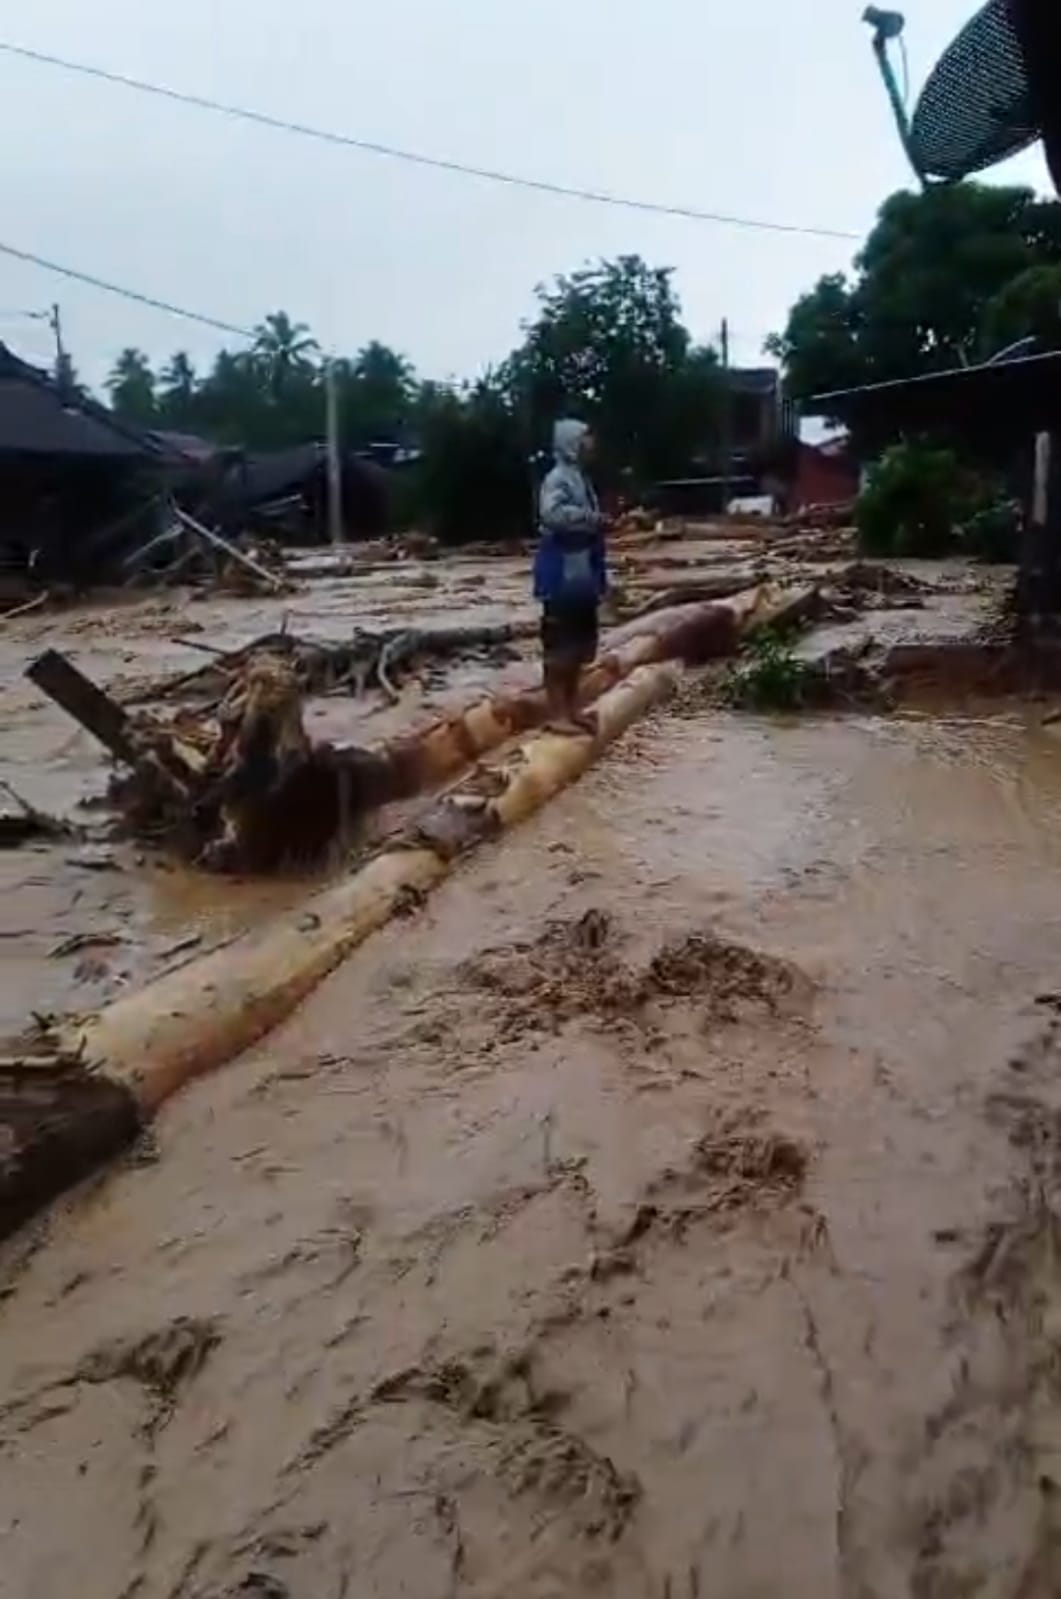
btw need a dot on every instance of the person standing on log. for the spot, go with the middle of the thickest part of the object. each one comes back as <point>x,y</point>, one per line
<point>570,575</point>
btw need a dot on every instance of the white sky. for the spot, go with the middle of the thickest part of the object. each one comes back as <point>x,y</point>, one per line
<point>764,108</point>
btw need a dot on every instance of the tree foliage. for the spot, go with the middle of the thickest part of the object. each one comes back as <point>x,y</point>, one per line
<point>922,499</point>
<point>1029,306</point>
<point>606,343</point>
<point>924,290</point>
<point>131,386</point>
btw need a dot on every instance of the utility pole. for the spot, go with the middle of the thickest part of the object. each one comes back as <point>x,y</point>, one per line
<point>335,471</point>
<point>55,322</point>
<point>727,419</point>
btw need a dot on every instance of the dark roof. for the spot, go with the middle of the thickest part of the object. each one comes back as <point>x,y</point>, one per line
<point>754,379</point>
<point>976,108</point>
<point>38,418</point>
<point>188,446</point>
<point>259,478</point>
<point>1001,398</point>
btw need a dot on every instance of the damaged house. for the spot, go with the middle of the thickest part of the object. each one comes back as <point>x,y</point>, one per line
<point>285,493</point>
<point>79,489</point>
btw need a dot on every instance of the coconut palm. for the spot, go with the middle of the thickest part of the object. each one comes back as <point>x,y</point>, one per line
<point>283,347</point>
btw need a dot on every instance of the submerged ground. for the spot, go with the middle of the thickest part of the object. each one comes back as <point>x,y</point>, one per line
<point>668,1209</point>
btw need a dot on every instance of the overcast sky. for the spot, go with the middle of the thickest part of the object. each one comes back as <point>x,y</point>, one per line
<point>763,108</point>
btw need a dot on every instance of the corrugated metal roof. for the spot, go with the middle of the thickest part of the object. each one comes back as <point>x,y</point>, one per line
<point>36,418</point>
<point>1006,397</point>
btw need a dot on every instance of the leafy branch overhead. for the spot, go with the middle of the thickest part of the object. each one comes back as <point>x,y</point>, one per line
<point>946,277</point>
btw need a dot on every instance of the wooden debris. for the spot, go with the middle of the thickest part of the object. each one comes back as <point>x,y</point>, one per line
<point>79,941</point>
<point>234,555</point>
<point>58,1122</point>
<point>238,786</point>
<point>28,822</point>
<point>367,660</point>
<point>84,701</point>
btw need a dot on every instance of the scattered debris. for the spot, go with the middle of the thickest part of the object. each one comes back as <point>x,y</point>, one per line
<point>58,1122</point>
<point>368,660</point>
<point>27,823</point>
<point>80,941</point>
<point>94,858</point>
<point>240,790</point>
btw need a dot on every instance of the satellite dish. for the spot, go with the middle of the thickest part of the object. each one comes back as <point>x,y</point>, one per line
<point>976,108</point>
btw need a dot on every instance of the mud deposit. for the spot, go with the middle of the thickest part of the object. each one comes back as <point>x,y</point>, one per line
<point>668,1209</point>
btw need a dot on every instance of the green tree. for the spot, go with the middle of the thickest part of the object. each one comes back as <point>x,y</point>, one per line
<point>178,389</point>
<point>131,386</point>
<point>923,284</point>
<point>608,344</point>
<point>819,347</point>
<point>474,479</point>
<point>1028,307</point>
<point>284,349</point>
<point>377,394</point>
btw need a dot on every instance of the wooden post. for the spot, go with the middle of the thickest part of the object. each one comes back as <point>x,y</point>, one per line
<point>335,469</point>
<point>727,420</point>
<point>80,698</point>
<point>1039,578</point>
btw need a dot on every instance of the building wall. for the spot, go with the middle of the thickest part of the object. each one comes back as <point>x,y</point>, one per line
<point>822,478</point>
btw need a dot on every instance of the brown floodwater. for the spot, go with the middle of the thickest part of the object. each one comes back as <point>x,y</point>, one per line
<point>665,1211</point>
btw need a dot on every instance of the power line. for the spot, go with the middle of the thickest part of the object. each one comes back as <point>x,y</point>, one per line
<point>415,157</point>
<point>126,294</point>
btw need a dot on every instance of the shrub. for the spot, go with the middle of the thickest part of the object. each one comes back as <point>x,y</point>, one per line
<point>769,678</point>
<point>914,502</point>
<point>993,532</point>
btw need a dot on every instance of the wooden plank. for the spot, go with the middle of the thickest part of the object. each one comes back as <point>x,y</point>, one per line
<point>216,542</point>
<point>85,701</point>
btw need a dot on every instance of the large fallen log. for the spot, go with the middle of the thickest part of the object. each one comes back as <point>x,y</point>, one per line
<point>58,1123</point>
<point>112,1071</point>
<point>691,633</point>
<point>203,1014</point>
<point>243,789</point>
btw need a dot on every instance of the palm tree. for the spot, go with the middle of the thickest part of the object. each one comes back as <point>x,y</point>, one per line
<point>283,347</point>
<point>178,384</point>
<point>131,386</point>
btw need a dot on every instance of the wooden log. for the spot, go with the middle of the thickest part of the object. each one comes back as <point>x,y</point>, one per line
<point>58,1123</point>
<point>205,1013</point>
<point>691,632</point>
<point>663,596</point>
<point>216,542</point>
<point>86,702</point>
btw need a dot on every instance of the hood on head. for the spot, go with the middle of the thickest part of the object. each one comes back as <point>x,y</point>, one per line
<point>567,439</point>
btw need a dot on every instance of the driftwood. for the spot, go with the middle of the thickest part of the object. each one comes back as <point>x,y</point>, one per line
<point>214,540</point>
<point>663,596</point>
<point>203,1014</point>
<point>367,660</point>
<point>244,790</point>
<point>27,822</point>
<point>58,1122</point>
<point>241,788</point>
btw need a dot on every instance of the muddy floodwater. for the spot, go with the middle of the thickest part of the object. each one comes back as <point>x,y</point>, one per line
<point>666,1211</point>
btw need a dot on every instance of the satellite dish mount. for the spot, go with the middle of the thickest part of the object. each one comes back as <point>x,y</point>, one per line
<point>887,28</point>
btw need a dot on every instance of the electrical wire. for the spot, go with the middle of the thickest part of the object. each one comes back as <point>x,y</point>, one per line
<point>127,294</point>
<point>414,157</point>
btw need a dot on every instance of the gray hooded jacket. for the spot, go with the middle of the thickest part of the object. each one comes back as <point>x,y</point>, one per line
<point>567,504</point>
<point>570,563</point>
